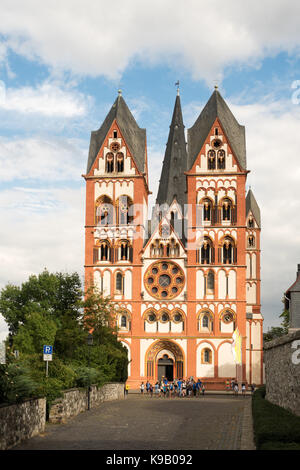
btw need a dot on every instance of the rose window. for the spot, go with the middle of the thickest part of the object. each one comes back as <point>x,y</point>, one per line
<point>164,280</point>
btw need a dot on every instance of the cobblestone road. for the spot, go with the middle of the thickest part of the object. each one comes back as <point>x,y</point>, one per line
<point>144,423</point>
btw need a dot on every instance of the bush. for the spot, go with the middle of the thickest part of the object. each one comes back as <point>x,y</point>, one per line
<point>273,424</point>
<point>17,384</point>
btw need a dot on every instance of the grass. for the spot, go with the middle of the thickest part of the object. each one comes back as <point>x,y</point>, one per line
<point>274,427</point>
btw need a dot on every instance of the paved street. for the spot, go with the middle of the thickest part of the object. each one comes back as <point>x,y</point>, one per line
<point>144,423</point>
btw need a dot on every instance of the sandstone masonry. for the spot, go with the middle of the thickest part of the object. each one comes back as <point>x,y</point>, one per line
<point>283,371</point>
<point>74,401</point>
<point>21,421</point>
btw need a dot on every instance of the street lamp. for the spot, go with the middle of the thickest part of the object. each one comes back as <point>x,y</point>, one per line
<point>89,341</point>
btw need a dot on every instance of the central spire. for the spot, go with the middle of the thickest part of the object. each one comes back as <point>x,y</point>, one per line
<point>173,180</point>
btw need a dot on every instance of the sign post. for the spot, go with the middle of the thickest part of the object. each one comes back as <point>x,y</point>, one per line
<point>47,353</point>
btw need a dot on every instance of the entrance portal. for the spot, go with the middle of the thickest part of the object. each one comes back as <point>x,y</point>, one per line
<point>165,368</point>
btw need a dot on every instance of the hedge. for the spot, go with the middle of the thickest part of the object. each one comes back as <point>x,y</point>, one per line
<point>274,427</point>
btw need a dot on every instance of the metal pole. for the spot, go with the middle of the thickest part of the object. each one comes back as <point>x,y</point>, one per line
<point>47,368</point>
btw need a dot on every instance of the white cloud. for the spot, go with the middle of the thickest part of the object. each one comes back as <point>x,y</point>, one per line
<point>100,38</point>
<point>47,99</point>
<point>52,237</point>
<point>41,159</point>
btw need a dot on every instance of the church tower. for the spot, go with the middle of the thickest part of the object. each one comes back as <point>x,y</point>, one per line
<point>187,279</point>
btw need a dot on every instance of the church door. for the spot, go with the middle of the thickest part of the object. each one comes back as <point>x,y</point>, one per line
<point>165,368</point>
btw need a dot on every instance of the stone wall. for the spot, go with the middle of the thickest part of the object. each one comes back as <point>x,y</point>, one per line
<point>21,421</point>
<point>75,401</point>
<point>282,368</point>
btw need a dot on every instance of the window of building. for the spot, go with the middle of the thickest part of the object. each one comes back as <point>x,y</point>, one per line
<point>206,356</point>
<point>115,133</point>
<point>221,160</point>
<point>211,160</point>
<point>109,163</point>
<point>119,283</point>
<point>120,162</point>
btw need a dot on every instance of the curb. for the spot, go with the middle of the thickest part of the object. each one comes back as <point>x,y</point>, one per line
<point>247,437</point>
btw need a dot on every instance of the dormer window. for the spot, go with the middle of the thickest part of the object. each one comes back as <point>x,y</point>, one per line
<point>115,133</point>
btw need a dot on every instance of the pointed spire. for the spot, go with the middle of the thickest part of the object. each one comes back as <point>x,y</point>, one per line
<point>173,180</point>
<point>216,107</point>
<point>251,205</point>
<point>134,136</point>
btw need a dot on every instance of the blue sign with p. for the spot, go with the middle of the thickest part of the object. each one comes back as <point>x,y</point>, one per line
<point>48,349</point>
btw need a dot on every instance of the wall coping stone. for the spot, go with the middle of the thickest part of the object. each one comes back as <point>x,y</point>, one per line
<point>282,340</point>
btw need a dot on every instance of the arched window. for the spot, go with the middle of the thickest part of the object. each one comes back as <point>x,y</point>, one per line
<point>226,210</point>
<point>210,282</point>
<point>125,251</point>
<point>206,356</point>
<point>104,250</point>
<point>206,251</point>
<point>221,160</point>
<point>104,211</point>
<point>211,160</point>
<point>109,166</point>
<point>120,162</point>
<point>250,222</point>
<point>207,210</point>
<point>119,283</point>
<point>228,251</point>
<point>251,241</point>
<point>123,321</point>
<point>205,321</point>
<point>164,317</point>
<point>125,207</point>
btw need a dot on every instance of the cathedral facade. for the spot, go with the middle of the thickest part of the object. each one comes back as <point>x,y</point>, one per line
<point>184,281</point>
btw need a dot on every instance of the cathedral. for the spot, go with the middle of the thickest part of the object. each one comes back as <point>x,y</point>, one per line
<point>184,275</point>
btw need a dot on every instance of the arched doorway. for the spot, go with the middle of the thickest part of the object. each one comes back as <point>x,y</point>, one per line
<point>165,368</point>
<point>164,358</point>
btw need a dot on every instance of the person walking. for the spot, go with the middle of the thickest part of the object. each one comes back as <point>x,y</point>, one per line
<point>148,386</point>
<point>156,389</point>
<point>151,390</point>
<point>236,389</point>
<point>142,388</point>
<point>203,389</point>
<point>243,389</point>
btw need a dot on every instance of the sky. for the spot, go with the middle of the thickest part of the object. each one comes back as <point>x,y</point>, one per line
<point>61,65</point>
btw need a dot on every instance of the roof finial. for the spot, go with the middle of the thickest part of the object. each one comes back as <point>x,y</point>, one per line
<point>177,84</point>
<point>119,92</point>
<point>216,84</point>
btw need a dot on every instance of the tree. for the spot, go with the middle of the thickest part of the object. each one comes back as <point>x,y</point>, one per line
<point>277,331</point>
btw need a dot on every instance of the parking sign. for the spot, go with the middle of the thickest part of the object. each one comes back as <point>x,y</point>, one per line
<point>47,350</point>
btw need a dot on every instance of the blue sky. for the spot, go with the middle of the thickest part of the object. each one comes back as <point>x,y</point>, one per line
<point>60,70</point>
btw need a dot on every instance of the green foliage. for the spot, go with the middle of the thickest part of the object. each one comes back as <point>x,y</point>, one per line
<point>277,331</point>
<point>49,309</point>
<point>38,330</point>
<point>272,424</point>
<point>274,332</point>
<point>17,384</point>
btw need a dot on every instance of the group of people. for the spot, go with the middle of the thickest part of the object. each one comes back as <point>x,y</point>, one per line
<point>234,386</point>
<point>187,388</point>
<point>175,388</point>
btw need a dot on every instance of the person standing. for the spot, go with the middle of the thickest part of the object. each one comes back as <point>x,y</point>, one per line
<point>203,389</point>
<point>147,386</point>
<point>142,388</point>
<point>243,389</point>
<point>151,390</point>
<point>236,389</point>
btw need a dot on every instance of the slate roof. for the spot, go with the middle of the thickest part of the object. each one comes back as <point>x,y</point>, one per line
<point>295,287</point>
<point>173,180</point>
<point>252,205</point>
<point>134,136</point>
<point>197,134</point>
